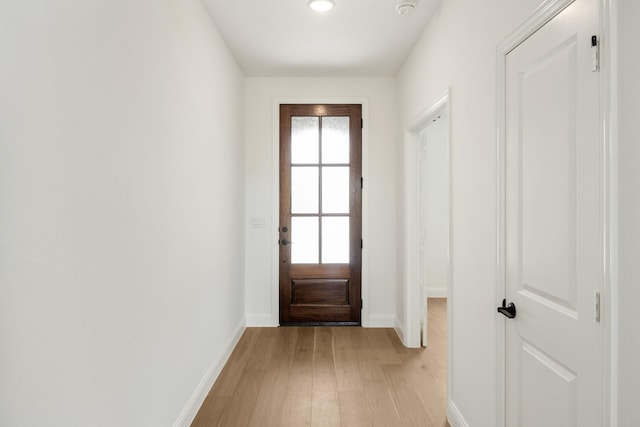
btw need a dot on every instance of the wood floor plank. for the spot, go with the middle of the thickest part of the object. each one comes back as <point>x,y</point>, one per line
<point>324,369</point>
<point>211,412</point>
<point>296,410</point>
<point>266,342</point>
<point>232,371</point>
<point>301,372</point>
<point>380,404</point>
<point>368,362</point>
<point>405,396</point>
<point>382,348</point>
<point>428,387</point>
<point>240,406</point>
<point>325,405</point>
<point>325,409</point>
<point>354,410</point>
<point>346,361</point>
<point>270,400</point>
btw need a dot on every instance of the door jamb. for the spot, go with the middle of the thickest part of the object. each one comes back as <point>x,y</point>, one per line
<point>275,161</point>
<point>608,100</point>
<point>609,112</point>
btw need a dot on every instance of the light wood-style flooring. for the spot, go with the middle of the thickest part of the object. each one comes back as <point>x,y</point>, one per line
<point>331,377</point>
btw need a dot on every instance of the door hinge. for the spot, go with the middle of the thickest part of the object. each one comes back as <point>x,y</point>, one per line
<point>361,182</point>
<point>361,244</point>
<point>361,124</point>
<point>361,304</point>
<point>595,54</point>
<point>596,307</point>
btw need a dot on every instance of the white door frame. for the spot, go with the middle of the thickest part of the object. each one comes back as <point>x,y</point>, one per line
<point>608,60</point>
<point>412,232</point>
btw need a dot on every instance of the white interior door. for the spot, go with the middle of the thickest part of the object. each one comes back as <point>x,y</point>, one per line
<point>554,223</point>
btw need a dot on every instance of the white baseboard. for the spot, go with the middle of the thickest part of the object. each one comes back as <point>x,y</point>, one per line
<point>437,293</point>
<point>399,328</point>
<point>197,398</point>
<point>261,320</point>
<point>454,416</point>
<point>381,321</point>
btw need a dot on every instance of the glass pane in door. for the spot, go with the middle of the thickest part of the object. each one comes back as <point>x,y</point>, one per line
<point>335,190</point>
<point>335,240</point>
<point>305,240</point>
<point>305,189</point>
<point>305,140</point>
<point>335,140</point>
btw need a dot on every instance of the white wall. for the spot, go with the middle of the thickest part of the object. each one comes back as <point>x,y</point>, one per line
<point>379,215</point>
<point>458,50</point>
<point>629,213</point>
<point>121,209</point>
<point>435,207</point>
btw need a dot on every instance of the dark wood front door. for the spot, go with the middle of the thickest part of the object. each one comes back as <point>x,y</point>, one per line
<point>320,213</point>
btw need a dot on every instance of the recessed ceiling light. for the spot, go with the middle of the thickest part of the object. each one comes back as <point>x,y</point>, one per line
<point>406,8</point>
<point>321,5</point>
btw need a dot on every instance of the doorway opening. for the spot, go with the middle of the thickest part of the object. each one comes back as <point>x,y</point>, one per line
<point>433,215</point>
<point>427,162</point>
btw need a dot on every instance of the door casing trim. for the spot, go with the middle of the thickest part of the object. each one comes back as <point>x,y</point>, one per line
<point>275,162</point>
<point>608,30</point>
<point>412,303</point>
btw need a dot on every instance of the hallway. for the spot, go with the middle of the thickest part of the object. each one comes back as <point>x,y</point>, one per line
<point>139,210</point>
<point>337,376</point>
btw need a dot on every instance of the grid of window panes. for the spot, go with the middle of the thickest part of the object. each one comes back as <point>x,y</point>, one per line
<point>320,190</point>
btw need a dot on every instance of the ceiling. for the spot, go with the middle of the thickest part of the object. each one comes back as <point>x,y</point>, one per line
<point>284,38</point>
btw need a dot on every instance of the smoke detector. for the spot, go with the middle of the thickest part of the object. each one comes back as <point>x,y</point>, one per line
<point>406,7</point>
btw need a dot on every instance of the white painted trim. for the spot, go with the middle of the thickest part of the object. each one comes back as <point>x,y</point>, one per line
<point>412,292</point>
<point>454,416</point>
<point>609,108</point>
<point>410,334</point>
<point>261,320</point>
<point>399,328</point>
<point>547,11</point>
<point>412,303</point>
<point>437,293</point>
<point>424,117</point>
<point>275,162</point>
<point>543,14</point>
<point>381,321</point>
<point>202,390</point>
<point>411,274</point>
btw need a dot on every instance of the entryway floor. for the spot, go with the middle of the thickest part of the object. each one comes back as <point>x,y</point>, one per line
<point>330,377</point>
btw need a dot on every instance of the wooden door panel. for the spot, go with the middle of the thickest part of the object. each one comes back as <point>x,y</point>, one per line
<point>319,313</point>
<point>315,271</point>
<point>320,291</point>
<point>320,261</point>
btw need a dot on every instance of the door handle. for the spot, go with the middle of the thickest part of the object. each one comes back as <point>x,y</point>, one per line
<point>284,242</point>
<point>507,310</point>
